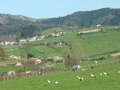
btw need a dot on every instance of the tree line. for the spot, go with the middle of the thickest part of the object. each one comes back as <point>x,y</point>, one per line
<point>16,32</point>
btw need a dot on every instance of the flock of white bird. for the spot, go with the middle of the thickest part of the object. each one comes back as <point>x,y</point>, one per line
<point>93,76</point>
<point>82,79</point>
<point>56,82</point>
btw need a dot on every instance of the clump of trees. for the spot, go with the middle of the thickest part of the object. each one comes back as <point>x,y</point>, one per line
<point>3,56</point>
<point>72,53</point>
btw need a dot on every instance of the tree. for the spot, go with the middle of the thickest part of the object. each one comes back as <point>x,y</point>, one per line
<point>29,55</point>
<point>2,52</point>
<point>72,53</point>
<point>27,47</point>
<point>17,39</point>
<point>3,56</point>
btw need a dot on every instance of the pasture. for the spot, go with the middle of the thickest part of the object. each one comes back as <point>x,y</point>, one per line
<point>68,80</point>
<point>91,44</point>
<point>94,45</point>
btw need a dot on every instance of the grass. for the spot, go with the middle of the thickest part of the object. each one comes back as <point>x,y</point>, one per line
<point>91,44</point>
<point>94,44</point>
<point>47,51</point>
<point>99,44</point>
<point>12,68</point>
<point>68,80</point>
<point>9,62</point>
<point>51,31</point>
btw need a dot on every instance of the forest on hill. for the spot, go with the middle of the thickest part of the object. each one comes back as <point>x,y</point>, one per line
<point>14,27</point>
<point>104,16</point>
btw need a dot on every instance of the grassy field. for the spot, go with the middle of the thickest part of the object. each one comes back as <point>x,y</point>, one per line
<point>91,44</point>
<point>99,43</point>
<point>68,80</point>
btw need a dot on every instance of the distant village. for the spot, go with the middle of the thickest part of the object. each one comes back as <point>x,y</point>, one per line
<point>35,38</point>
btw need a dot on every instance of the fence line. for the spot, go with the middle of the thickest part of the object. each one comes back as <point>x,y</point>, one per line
<point>24,75</point>
<point>101,64</point>
<point>52,70</point>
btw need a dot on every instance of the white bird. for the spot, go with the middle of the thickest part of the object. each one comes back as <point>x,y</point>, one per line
<point>79,78</point>
<point>49,81</point>
<point>83,79</point>
<point>93,76</point>
<point>57,82</point>
<point>119,72</point>
<point>105,73</point>
<point>101,74</point>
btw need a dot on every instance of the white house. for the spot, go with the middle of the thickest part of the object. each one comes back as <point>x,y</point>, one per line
<point>2,43</point>
<point>14,57</point>
<point>98,25</point>
<point>23,40</point>
<point>19,64</point>
<point>38,60</point>
<point>56,34</point>
<point>7,43</point>
<point>8,73</point>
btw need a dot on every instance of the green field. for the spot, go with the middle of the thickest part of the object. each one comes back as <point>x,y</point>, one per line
<point>68,80</point>
<point>90,44</point>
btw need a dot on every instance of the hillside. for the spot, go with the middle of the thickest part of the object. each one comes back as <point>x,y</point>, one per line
<point>102,43</point>
<point>15,27</point>
<point>104,16</point>
<point>8,19</point>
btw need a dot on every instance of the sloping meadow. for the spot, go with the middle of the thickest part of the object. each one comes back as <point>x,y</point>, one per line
<point>68,80</point>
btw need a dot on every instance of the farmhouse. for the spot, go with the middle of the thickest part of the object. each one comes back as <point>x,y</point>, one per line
<point>98,25</point>
<point>32,39</point>
<point>42,37</point>
<point>38,60</point>
<point>19,64</point>
<point>23,40</point>
<point>8,73</point>
<point>58,59</point>
<point>7,43</point>
<point>14,57</point>
<point>56,34</point>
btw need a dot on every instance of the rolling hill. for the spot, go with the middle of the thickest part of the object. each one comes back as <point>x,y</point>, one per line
<point>92,44</point>
<point>104,16</point>
<point>8,19</point>
<point>15,27</point>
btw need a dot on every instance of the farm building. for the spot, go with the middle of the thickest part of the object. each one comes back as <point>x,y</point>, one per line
<point>8,73</point>
<point>19,64</point>
<point>38,60</point>
<point>14,57</point>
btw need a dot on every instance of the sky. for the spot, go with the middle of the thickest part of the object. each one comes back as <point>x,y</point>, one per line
<point>39,9</point>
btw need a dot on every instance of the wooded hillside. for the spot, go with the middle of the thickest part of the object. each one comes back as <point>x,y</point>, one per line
<point>104,16</point>
<point>14,27</point>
